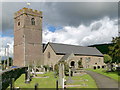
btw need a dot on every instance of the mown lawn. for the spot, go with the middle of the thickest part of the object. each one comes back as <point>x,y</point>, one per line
<point>50,82</point>
<point>113,75</point>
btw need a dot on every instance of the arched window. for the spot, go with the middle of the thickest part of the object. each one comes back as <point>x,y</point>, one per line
<point>33,21</point>
<point>48,54</point>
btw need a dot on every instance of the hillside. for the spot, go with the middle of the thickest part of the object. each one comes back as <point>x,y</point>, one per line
<point>103,48</point>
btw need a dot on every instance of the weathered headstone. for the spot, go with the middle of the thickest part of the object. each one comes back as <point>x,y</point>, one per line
<point>12,84</point>
<point>69,80</point>
<point>56,84</point>
<point>28,75</point>
<point>36,86</point>
<point>66,57</point>
<point>69,72</point>
<point>61,74</point>
<point>109,67</point>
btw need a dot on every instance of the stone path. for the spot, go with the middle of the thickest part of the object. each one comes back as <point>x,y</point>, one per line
<point>103,81</point>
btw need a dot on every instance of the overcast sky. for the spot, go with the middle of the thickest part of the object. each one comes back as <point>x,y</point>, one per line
<point>79,23</point>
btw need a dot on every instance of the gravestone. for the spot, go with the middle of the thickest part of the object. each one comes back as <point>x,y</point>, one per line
<point>72,71</point>
<point>69,80</point>
<point>36,86</point>
<point>66,57</point>
<point>28,75</point>
<point>61,74</point>
<point>109,67</point>
<point>12,84</point>
<point>56,84</point>
<point>69,72</point>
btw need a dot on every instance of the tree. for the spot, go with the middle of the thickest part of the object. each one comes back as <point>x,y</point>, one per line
<point>108,61</point>
<point>46,67</point>
<point>115,50</point>
<point>107,58</point>
<point>80,64</point>
<point>66,68</point>
<point>56,68</point>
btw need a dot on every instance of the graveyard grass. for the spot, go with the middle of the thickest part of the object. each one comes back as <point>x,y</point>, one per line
<point>85,81</point>
<point>113,75</point>
<point>50,82</point>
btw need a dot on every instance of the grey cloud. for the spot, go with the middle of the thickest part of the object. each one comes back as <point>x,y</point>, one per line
<point>63,14</point>
<point>84,35</point>
<point>96,26</point>
<point>76,13</point>
<point>77,19</point>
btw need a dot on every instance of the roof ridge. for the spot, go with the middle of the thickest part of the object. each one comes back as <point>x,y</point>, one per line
<point>65,44</point>
<point>70,45</point>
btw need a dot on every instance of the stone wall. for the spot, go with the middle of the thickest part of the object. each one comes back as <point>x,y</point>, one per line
<point>94,61</point>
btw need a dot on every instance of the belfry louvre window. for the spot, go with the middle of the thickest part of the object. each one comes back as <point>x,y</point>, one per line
<point>18,23</point>
<point>33,21</point>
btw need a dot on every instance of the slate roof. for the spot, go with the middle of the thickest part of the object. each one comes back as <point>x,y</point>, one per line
<point>77,50</point>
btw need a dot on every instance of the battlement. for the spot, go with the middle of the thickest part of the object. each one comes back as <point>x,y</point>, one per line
<point>28,11</point>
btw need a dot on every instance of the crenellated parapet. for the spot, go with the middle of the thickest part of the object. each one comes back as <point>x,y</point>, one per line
<point>28,11</point>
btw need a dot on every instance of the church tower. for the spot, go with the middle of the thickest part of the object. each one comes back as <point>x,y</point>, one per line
<point>28,37</point>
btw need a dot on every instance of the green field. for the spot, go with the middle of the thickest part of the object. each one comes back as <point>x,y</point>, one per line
<point>113,75</point>
<point>50,82</point>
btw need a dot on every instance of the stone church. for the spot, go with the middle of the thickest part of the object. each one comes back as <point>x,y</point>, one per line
<point>29,50</point>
